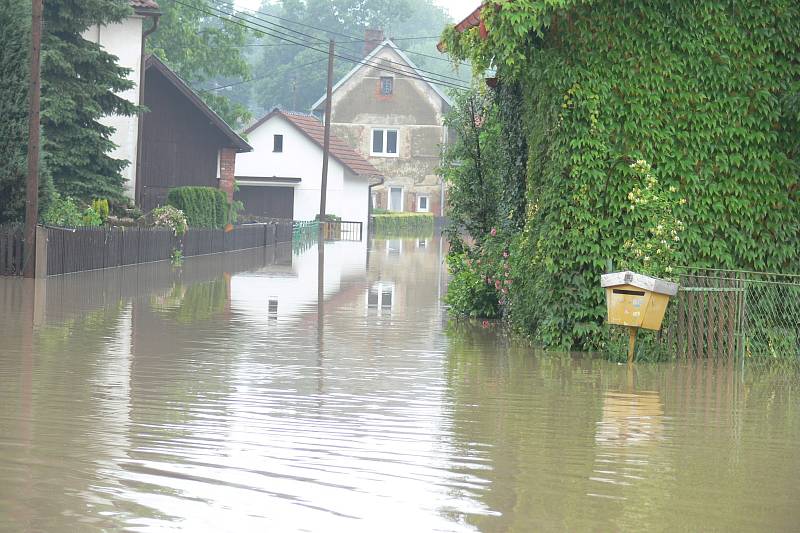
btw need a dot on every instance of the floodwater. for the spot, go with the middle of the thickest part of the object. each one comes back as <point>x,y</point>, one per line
<point>224,397</point>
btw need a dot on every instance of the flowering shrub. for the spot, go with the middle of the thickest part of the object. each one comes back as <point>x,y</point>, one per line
<point>169,217</point>
<point>481,278</point>
<point>653,247</point>
<point>468,294</point>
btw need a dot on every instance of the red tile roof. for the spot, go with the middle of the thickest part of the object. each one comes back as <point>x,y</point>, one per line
<point>472,20</point>
<point>315,130</point>
<point>144,4</point>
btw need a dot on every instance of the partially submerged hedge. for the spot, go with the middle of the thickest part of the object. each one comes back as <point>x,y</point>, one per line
<point>204,207</point>
<point>400,223</point>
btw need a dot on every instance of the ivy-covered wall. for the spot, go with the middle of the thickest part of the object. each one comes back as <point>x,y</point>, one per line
<point>705,92</point>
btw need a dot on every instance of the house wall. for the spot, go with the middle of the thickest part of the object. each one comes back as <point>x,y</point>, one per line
<point>124,40</point>
<point>179,145</point>
<point>302,158</point>
<point>414,109</point>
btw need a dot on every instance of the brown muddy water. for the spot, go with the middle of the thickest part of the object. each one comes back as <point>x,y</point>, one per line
<point>214,398</point>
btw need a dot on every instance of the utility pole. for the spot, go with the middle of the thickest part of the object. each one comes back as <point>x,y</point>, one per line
<point>327,144</point>
<point>32,186</point>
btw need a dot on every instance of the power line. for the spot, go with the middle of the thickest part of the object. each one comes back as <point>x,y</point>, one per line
<point>330,32</point>
<point>283,19</point>
<point>266,30</point>
<point>259,78</point>
<point>441,76</point>
<point>356,40</point>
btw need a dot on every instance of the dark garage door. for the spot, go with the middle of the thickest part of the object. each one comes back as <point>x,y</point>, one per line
<point>272,202</point>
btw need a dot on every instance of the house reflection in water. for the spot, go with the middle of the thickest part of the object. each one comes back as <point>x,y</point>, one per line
<point>284,294</point>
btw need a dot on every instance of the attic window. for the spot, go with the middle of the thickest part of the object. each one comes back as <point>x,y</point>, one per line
<point>277,145</point>
<point>387,85</point>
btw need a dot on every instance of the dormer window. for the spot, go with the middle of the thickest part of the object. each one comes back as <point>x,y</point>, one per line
<point>387,85</point>
<point>277,143</point>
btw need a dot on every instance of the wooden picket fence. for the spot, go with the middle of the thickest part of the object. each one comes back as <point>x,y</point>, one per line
<point>11,250</point>
<point>79,249</point>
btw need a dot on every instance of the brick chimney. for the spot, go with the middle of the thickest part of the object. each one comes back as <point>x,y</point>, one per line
<point>227,171</point>
<point>372,39</point>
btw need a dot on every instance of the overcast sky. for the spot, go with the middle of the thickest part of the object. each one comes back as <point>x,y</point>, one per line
<point>458,8</point>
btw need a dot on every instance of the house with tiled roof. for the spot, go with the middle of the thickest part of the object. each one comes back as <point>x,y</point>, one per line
<point>389,112</point>
<point>282,176</point>
<point>125,39</point>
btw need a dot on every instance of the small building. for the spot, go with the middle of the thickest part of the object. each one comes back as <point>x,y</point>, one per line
<point>282,176</point>
<point>184,142</point>
<point>125,39</point>
<point>387,110</point>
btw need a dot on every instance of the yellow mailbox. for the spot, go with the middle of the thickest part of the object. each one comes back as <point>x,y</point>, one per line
<point>636,301</point>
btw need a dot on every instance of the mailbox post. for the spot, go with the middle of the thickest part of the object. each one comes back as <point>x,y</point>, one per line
<point>636,301</point>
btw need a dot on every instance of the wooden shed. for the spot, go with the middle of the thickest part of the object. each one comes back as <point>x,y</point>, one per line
<point>183,141</point>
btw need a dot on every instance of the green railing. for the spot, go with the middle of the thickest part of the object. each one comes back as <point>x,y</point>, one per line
<point>305,234</point>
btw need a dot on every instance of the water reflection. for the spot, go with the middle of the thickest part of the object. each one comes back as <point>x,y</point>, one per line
<point>320,392</point>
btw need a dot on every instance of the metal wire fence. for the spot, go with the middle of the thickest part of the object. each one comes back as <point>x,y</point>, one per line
<point>731,314</point>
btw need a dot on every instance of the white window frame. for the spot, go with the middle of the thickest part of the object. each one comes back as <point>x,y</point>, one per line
<point>391,80</point>
<point>381,287</point>
<point>427,203</point>
<point>402,200</point>
<point>385,134</point>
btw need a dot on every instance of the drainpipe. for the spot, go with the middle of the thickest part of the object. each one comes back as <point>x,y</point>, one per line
<point>137,195</point>
<point>369,200</point>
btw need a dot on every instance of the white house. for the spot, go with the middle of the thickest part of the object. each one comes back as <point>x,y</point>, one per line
<point>125,40</point>
<point>282,176</point>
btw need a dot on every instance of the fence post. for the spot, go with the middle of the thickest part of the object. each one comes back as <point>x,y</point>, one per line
<point>41,252</point>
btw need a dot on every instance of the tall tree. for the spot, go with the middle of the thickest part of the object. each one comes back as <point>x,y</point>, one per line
<point>80,83</point>
<point>293,76</point>
<point>14,32</point>
<point>196,41</point>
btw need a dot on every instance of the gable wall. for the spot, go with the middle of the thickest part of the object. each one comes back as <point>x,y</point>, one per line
<point>414,109</point>
<point>124,40</point>
<point>179,144</point>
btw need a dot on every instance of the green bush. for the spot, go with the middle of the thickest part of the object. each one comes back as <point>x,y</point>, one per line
<point>91,218</point>
<point>403,223</point>
<point>101,208</point>
<point>470,293</point>
<point>204,207</point>
<point>62,212</point>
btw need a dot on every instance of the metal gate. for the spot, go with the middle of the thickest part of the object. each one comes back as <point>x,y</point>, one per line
<point>727,314</point>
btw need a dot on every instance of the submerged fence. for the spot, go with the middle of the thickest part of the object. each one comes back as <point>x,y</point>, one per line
<point>11,250</point>
<point>80,249</point>
<point>727,314</point>
<point>69,250</point>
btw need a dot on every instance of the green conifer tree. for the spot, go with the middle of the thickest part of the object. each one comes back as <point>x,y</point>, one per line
<point>79,82</point>
<point>14,32</point>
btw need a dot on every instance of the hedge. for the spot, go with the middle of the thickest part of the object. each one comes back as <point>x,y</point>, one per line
<point>204,207</point>
<point>399,223</point>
